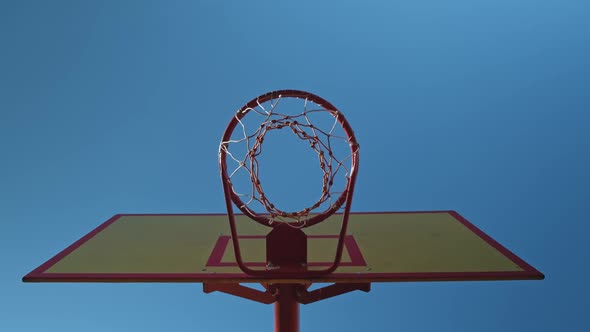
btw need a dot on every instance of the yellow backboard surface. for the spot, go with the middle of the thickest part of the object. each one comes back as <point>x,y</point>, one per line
<point>388,246</point>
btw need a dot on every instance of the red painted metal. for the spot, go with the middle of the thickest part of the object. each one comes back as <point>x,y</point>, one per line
<point>243,278</point>
<point>240,291</point>
<point>345,198</point>
<point>287,308</point>
<point>286,249</point>
<point>286,298</point>
<point>243,111</point>
<point>305,297</point>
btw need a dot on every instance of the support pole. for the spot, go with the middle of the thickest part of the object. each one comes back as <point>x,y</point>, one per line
<point>287,308</point>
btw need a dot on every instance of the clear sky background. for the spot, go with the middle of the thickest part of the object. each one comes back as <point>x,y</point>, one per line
<point>118,106</point>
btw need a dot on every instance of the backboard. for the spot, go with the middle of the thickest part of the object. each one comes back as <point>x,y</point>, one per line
<point>379,247</point>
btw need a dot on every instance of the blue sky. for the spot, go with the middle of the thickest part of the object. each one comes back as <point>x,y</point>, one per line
<point>117,107</point>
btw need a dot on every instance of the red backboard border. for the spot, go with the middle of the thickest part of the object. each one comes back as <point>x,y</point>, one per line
<point>39,275</point>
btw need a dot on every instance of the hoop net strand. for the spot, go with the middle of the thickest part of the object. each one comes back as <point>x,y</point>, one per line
<point>320,140</point>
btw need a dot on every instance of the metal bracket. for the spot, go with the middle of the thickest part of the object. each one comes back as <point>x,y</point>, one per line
<point>305,297</point>
<point>266,297</point>
<point>271,294</point>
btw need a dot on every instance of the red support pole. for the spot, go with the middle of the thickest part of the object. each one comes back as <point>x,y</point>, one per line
<point>287,308</point>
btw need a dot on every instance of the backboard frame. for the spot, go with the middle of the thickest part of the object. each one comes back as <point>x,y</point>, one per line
<point>528,272</point>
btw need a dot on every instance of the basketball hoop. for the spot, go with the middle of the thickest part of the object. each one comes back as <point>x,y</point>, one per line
<point>312,120</point>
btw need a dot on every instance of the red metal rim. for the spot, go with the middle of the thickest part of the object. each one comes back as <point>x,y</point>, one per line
<point>243,111</point>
